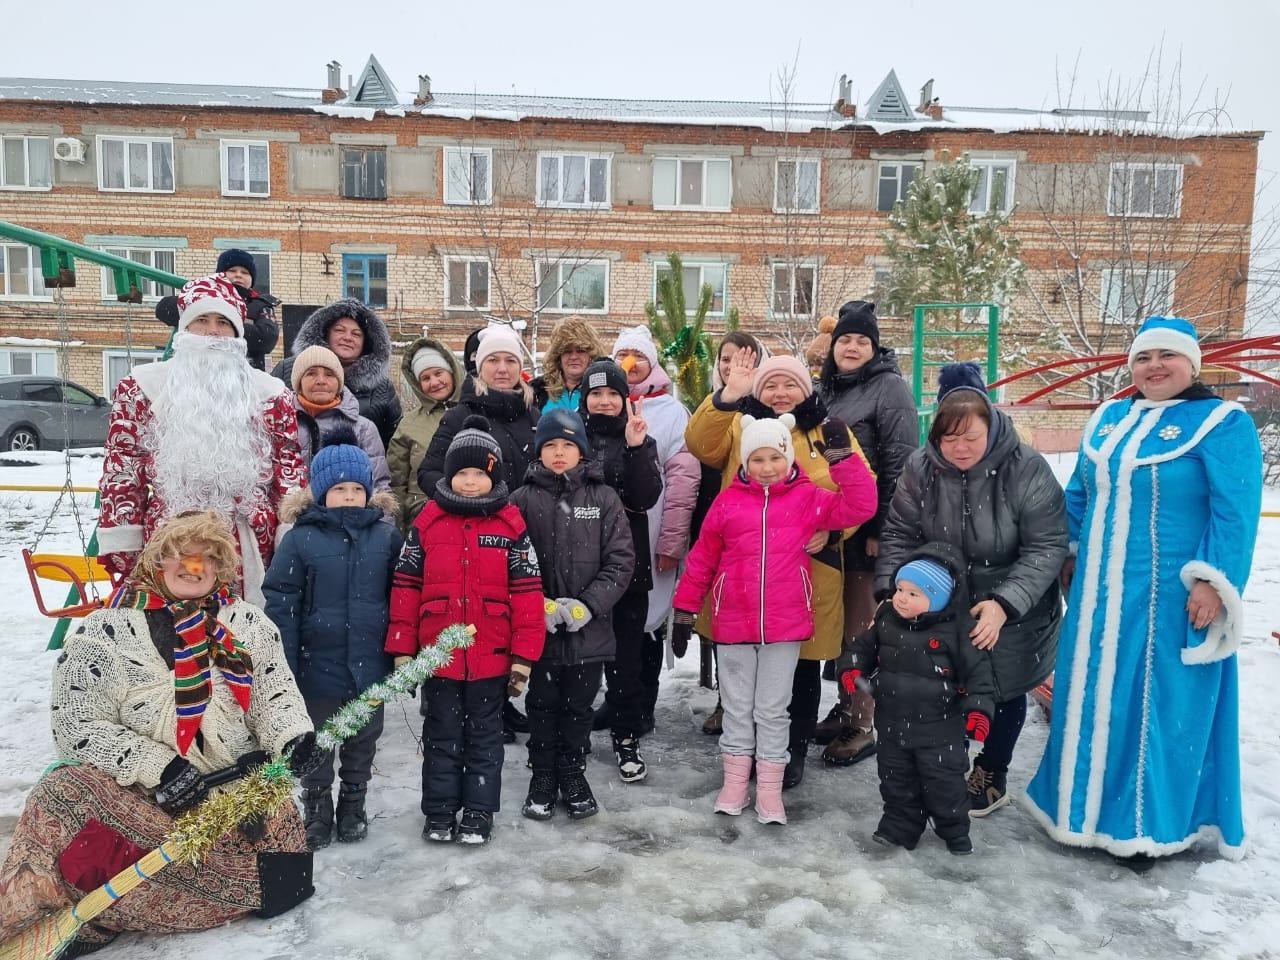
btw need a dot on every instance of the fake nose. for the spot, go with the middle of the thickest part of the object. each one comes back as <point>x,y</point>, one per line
<point>626,363</point>
<point>193,564</point>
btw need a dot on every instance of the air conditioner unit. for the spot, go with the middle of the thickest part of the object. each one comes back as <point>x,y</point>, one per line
<point>69,149</point>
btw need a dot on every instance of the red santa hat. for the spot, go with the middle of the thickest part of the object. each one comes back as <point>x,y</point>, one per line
<point>212,294</point>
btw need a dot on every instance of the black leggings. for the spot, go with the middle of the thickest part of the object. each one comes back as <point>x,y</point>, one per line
<point>997,752</point>
<point>806,696</point>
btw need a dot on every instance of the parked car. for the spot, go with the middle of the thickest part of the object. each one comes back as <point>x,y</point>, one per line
<point>31,414</point>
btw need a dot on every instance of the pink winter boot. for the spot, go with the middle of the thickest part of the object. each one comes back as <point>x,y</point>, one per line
<point>732,798</point>
<point>769,808</point>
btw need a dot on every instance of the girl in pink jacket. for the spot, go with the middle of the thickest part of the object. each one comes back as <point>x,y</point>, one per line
<point>751,558</point>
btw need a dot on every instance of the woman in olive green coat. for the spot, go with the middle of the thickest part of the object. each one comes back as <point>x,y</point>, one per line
<point>435,377</point>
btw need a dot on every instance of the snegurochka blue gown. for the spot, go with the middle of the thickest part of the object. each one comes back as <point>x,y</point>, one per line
<point>1143,754</point>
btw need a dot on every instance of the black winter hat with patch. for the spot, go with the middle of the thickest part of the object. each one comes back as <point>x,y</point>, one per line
<point>604,373</point>
<point>473,446</point>
<point>561,425</point>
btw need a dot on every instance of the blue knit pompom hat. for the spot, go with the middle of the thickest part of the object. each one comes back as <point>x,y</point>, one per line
<point>340,461</point>
<point>933,579</point>
<point>960,376</point>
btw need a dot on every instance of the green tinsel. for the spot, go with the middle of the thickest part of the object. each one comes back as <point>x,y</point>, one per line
<point>353,716</point>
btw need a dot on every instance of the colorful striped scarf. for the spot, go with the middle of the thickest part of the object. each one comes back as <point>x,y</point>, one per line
<point>196,623</point>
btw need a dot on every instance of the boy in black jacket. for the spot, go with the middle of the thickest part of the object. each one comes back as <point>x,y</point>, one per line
<point>260,330</point>
<point>932,688</point>
<point>629,456</point>
<point>580,534</point>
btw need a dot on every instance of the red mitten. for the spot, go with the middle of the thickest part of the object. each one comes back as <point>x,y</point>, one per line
<point>849,680</point>
<point>976,726</point>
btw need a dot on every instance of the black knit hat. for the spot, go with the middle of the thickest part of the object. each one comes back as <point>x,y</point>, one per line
<point>561,425</point>
<point>473,446</point>
<point>961,376</point>
<point>604,373</point>
<point>858,316</point>
<point>238,258</point>
<point>469,350</point>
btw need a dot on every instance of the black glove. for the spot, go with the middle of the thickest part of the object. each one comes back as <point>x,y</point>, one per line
<point>681,631</point>
<point>251,760</point>
<point>181,786</point>
<point>304,756</point>
<point>836,444</point>
<point>253,828</point>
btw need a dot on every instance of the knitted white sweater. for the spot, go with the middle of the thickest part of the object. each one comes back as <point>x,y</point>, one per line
<point>113,703</point>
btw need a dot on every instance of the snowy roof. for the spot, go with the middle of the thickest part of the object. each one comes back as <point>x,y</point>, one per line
<point>374,83</point>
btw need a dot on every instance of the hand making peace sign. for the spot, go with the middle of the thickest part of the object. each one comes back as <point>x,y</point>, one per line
<point>637,428</point>
<point>742,372</point>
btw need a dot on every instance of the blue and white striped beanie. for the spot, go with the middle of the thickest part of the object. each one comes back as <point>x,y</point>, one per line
<point>933,579</point>
<point>1168,333</point>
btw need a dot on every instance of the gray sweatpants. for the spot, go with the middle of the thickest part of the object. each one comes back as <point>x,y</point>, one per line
<point>755,689</point>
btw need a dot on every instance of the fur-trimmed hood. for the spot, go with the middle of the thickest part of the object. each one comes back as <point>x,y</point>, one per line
<point>371,366</point>
<point>572,331</point>
<point>296,501</point>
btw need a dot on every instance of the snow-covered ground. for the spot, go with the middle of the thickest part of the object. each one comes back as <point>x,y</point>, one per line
<point>656,874</point>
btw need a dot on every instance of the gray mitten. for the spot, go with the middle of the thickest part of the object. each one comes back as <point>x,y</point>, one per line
<point>575,613</point>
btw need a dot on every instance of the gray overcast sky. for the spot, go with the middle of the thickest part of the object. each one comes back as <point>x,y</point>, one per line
<point>997,53</point>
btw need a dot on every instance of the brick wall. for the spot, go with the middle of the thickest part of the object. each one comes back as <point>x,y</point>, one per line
<point>417,230</point>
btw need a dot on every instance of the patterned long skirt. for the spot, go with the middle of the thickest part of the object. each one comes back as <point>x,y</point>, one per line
<point>66,803</point>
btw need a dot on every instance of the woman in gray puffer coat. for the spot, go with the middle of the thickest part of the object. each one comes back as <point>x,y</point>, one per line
<point>361,341</point>
<point>976,486</point>
<point>861,384</point>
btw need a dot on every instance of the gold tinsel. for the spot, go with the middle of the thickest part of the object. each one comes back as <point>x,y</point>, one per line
<point>260,794</point>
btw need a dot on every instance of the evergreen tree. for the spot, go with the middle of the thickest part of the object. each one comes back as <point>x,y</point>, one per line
<point>685,347</point>
<point>942,253</point>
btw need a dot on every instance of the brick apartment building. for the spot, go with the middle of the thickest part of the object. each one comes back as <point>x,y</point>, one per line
<point>440,208</point>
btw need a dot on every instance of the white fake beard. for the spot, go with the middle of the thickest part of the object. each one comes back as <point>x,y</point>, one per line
<point>207,435</point>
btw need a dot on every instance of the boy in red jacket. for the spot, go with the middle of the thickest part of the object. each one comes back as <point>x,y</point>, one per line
<point>467,559</point>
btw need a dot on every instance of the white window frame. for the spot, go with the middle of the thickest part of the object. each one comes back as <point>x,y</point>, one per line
<point>448,290</point>
<point>795,186</point>
<point>469,153</point>
<point>988,164</point>
<point>223,148</point>
<point>901,194</point>
<point>107,275</point>
<point>145,355</point>
<point>1154,168</point>
<point>1111,274</point>
<point>541,265</point>
<point>126,140</point>
<point>791,269</point>
<point>691,308</point>
<point>26,152</point>
<point>727,161</point>
<point>6,361</point>
<point>587,204</point>
<point>36,271</point>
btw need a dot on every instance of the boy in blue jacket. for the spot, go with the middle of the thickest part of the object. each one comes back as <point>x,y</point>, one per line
<point>328,591</point>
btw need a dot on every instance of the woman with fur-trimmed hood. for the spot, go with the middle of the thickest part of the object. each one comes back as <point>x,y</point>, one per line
<point>361,341</point>
<point>574,345</point>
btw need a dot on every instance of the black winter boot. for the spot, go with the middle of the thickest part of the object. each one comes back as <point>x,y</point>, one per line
<point>475,827</point>
<point>631,766</point>
<point>317,817</point>
<point>540,804</point>
<point>441,828</point>
<point>353,825</point>
<point>574,789</point>
<point>794,772</point>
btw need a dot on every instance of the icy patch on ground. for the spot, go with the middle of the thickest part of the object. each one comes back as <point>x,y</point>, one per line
<point>656,874</point>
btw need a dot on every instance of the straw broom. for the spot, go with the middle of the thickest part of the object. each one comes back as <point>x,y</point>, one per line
<point>261,793</point>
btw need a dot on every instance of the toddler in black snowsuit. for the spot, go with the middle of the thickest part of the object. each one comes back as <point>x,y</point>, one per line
<point>932,688</point>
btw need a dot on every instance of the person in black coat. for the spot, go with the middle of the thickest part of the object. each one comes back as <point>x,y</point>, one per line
<point>629,458</point>
<point>260,328</point>
<point>363,345</point>
<point>328,591</point>
<point>932,688</point>
<point>498,393</point>
<point>860,382</point>
<point>580,532</point>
